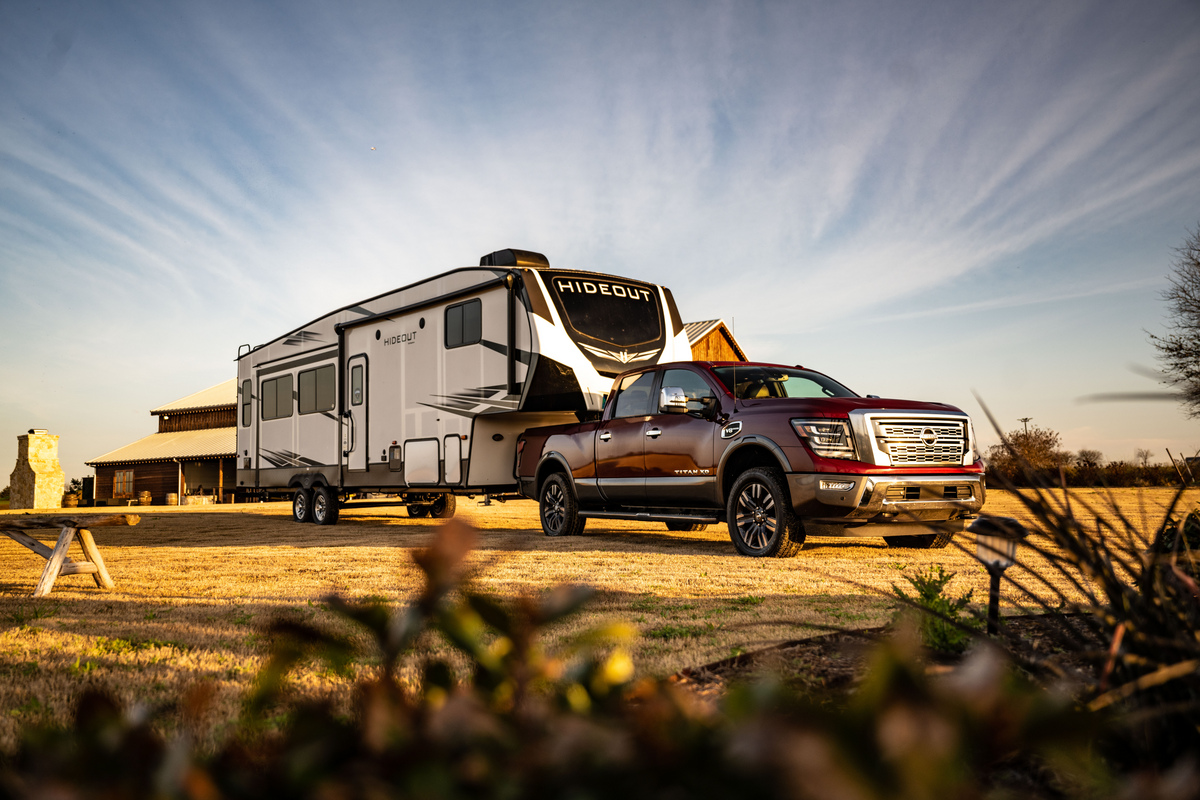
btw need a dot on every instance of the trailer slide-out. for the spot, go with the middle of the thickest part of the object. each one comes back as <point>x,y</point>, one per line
<point>420,393</point>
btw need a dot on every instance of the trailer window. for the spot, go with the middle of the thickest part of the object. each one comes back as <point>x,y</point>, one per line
<point>356,385</point>
<point>246,404</point>
<point>276,397</point>
<point>464,323</point>
<point>316,390</point>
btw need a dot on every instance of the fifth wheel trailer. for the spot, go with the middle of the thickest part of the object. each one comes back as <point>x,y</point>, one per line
<point>421,392</point>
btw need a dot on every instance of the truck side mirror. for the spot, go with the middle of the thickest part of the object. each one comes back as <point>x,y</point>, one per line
<point>672,401</point>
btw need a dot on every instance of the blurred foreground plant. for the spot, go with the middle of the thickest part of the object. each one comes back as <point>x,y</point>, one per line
<point>526,723</point>
<point>1138,622</point>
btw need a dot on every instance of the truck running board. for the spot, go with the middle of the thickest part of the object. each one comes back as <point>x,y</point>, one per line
<point>650,516</point>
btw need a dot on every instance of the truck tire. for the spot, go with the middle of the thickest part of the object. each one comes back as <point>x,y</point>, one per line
<point>686,526</point>
<point>760,517</point>
<point>558,508</point>
<point>302,505</point>
<point>325,506</point>
<point>922,541</point>
<point>443,507</point>
<point>418,510</point>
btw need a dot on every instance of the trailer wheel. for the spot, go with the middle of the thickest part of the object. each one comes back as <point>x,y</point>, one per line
<point>324,506</point>
<point>558,508</point>
<point>302,505</point>
<point>686,526</point>
<point>760,516</point>
<point>418,510</point>
<point>922,541</point>
<point>443,507</point>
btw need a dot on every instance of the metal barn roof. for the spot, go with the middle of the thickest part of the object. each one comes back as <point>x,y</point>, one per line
<point>209,443</point>
<point>698,330</point>
<point>223,394</point>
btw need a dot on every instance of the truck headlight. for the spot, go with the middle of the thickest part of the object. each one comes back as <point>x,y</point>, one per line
<point>828,438</point>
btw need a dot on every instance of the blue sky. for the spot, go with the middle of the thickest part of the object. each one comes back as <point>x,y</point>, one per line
<point>931,200</point>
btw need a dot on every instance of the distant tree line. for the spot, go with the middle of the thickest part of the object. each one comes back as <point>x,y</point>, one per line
<point>1035,456</point>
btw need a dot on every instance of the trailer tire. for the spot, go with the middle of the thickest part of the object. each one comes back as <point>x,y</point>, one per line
<point>687,526</point>
<point>418,510</point>
<point>922,541</point>
<point>443,507</point>
<point>761,520</point>
<point>324,506</point>
<point>302,505</point>
<point>558,508</point>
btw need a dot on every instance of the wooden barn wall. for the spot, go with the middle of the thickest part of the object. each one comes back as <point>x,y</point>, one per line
<point>197,420</point>
<point>159,479</point>
<point>715,347</point>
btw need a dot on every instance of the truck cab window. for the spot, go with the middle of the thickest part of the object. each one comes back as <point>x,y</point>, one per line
<point>633,396</point>
<point>700,395</point>
<point>464,323</point>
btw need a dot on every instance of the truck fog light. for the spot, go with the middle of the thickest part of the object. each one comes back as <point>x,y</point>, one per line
<point>837,486</point>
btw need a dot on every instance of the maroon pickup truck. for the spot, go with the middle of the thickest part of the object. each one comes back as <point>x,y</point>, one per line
<point>776,452</point>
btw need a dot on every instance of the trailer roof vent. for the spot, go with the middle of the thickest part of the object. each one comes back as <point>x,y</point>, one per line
<point>514,258</point>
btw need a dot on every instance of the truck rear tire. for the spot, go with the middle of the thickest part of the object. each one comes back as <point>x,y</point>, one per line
<point>922,541</point>
<point>418,510</point>
<point>443,507</point>
<point>558,508</point>
<point>325,506</point>
<point>302,505</point>
<point>760,517</point>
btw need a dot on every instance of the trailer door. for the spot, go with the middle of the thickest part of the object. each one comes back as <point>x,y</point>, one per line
<point>354,424</point>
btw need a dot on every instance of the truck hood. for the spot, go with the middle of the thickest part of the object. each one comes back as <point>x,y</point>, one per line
<point>840,406</point>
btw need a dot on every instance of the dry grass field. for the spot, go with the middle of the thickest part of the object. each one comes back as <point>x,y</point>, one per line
<point>195,585</point>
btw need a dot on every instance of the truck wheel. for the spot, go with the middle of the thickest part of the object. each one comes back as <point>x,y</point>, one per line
<point>417,510</point>
<point>558,507</point>
<point>302,505</point>
<point>760,517</point>
<point>922,541</point>
<point>686,526</point>
<point>443,507</point>
<point>324,506</point>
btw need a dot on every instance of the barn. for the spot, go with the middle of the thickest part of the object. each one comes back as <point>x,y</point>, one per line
<point>711,340</point>
<point>190,459</point>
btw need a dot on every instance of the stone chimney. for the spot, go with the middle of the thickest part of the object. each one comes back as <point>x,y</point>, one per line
<point>37,480</point>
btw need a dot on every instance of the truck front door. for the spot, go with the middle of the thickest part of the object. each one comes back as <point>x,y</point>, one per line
<point>621,441</point>
<point>681,467</point>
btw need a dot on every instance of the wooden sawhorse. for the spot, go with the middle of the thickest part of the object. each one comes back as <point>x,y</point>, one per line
<point>57,562</point>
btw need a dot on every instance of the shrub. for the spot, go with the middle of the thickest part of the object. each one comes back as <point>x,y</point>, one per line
<point>943,628</point>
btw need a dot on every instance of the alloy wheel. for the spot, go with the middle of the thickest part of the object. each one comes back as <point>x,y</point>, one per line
<point>756,518</point>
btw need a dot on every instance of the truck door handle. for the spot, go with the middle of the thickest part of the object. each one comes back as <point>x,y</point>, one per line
<point>604,437</point>
<point>654,433</point>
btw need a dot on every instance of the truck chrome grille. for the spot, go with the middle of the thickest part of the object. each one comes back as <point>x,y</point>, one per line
<point>918,442</point>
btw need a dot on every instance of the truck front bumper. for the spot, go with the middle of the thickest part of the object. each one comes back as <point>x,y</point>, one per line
<point>889,504</point>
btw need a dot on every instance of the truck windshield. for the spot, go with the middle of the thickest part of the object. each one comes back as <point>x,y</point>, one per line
<point>750,382</point>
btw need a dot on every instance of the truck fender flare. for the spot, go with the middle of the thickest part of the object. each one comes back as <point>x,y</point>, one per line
<point>552,456</point>
<point>750,440</point>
